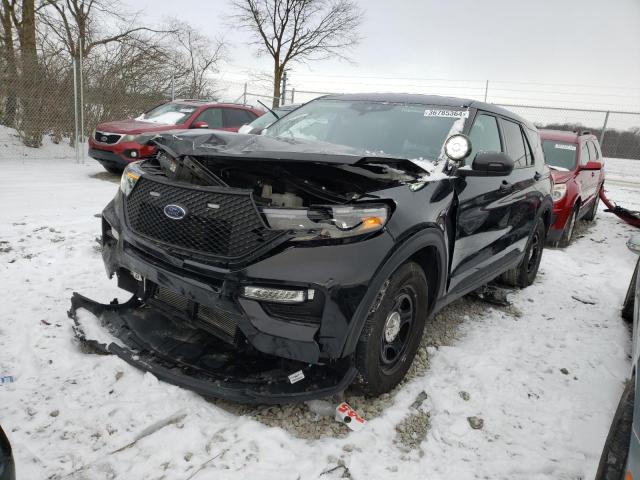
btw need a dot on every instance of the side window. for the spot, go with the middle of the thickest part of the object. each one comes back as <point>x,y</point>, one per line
<point>236,117</point>
<point>584,154</point>
<point>484,136</point>
<point>593,150</point>
<point>212,116</point>
<point>517,147</point>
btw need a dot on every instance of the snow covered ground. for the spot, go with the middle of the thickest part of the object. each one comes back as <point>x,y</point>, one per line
<point>544,375</point>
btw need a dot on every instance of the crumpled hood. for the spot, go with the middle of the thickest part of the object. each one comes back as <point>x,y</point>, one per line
<point>259,147</point>
<point>132,126</point>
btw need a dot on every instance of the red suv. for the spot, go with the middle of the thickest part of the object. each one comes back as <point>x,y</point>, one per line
<point>577,169</point>
<point>115,144</point>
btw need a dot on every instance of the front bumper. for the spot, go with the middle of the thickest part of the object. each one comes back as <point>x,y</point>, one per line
<point>181,355</point>
<point>118,155</point>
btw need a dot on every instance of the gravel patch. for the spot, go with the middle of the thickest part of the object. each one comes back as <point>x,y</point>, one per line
<point>304,422</point>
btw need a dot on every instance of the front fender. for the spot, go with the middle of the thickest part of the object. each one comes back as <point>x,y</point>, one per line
<point>428,237</point>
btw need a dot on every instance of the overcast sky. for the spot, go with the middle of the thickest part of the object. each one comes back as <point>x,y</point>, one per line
<point>569,52</point>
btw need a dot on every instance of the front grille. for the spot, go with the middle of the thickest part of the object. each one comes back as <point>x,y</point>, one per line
<point>108,138</point>
<point>219,319</point>
<point>171,298</point>
<point>219,322</point>
<point>222,224</point>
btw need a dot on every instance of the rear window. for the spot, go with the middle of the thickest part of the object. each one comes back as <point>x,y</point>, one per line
<point>560,154</point>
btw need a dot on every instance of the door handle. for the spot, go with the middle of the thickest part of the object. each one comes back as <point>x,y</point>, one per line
<point>537,176</point>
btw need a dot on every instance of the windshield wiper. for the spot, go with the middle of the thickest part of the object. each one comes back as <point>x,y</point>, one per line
<point>272,112</point>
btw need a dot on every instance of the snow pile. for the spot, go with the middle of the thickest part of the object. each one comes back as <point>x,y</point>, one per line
<point>11,147</point>
<point>522,392</point>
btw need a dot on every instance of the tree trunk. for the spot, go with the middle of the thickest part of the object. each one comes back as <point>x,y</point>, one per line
<point>31,123</point>
<point>10,73</point>
<point>277,81</point>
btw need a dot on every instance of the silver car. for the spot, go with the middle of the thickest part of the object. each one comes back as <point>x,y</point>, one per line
<point>620,458</point>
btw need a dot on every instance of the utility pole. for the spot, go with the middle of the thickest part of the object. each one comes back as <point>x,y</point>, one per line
<point>604,128</point>
<point>284,88</point>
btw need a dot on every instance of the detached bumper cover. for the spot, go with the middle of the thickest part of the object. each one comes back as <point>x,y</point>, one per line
<point>190,358</point>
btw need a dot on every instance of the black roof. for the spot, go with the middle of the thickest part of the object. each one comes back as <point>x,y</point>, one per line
<point>419,99</point>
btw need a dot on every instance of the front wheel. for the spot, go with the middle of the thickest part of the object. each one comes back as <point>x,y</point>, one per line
<point>591,216</point>
<point>616,448</point>
<point>392,332</point>
<point>525,273</point>
<point>627,306</point>
<point>567,233</point>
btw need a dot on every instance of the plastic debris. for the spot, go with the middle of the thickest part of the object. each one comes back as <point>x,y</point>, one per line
<point>7,379</point>
<point>322,407</point>
<point>347,415</point>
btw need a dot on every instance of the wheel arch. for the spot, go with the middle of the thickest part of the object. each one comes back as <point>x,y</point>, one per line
<point>426,247</point>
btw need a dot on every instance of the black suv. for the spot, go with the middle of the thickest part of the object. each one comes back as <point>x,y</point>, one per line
<point>280,267</point>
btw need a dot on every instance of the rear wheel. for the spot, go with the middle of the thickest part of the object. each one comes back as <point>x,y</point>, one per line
<point>627,306</point>
<point>392,333</point>
<point>525,273</point>
<point>567,233</point>
<point>616,448</point>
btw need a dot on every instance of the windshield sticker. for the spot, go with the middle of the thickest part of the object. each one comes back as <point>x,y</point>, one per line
<point>447,113</point>
<point>564,146</point>
<point>186,110</point>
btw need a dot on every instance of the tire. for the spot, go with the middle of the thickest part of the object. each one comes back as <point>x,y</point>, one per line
<point>593,211</point>
<point>525,273</point>
<point>392,332</point>
<point>616,447</point>
<point>114,170</point>
<point>627,306</point>
<point>569,228</point>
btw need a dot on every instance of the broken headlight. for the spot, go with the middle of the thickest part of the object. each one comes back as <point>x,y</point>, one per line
<point>130,176</point>
<point>559,191</point>
<point>328,222</point>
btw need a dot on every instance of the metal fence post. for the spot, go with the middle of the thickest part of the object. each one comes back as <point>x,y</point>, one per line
<point>283,95</point>
<point>293,94</point>
<point>81,97</point>
<point>173,87</point>
<point>486,90</point>
<point>244,94</point>
<point>604,127</point>
<point>75,110</point>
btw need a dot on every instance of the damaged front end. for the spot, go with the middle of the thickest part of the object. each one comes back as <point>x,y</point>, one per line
<point>182,354</point>
<point>242,264</point>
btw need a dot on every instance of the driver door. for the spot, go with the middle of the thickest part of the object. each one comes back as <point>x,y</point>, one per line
<point>483,214</point>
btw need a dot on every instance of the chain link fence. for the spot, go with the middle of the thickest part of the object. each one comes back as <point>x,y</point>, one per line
<point>43,120</point>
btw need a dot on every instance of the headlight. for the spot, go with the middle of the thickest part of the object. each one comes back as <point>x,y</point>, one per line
<point>141,138</point>
<point>559,190</point>
<point>130,176</point>
<point>328,222</point>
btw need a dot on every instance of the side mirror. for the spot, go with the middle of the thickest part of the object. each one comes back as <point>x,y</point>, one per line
<point>200,125</point>
<point>489,164</point>
<point>592,166</point>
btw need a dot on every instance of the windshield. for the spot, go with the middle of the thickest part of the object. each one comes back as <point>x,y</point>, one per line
<point>559,154</point>
<point>375,128</point>
<point>263,121</point>
<point>168,114</point>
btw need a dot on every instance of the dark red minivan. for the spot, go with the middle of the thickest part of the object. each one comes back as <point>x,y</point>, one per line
<point>577,169</point>
<point>115,144</point>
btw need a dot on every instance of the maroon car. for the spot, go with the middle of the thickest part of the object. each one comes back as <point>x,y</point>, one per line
<point>577,169</point>
<point>116,144</point>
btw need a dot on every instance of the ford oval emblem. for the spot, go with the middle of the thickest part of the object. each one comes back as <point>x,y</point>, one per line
<point>103,139</point>
<point>175,212</point>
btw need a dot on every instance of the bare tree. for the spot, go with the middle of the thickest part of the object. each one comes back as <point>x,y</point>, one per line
<point>10,64</point>
<point>299,30</point>
<point>194,57</point>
